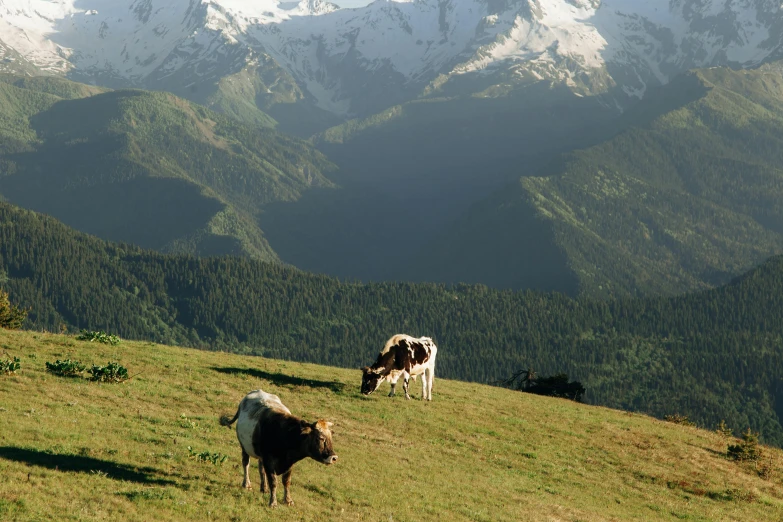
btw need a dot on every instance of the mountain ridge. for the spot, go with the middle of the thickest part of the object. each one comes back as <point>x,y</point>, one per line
<point>148,167</point>
<point>677,194</point>
<point>358,62</point>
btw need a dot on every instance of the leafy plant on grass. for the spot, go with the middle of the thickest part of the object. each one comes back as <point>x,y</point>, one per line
<point>11,317</point>
<point>10,366</point>
<point>112,372</point>
<point>747,450</point>
<point>207,456</point>
<point>99,337</point>
<point>187,423</point>
<point>679,419</point>
<point>66,368</point>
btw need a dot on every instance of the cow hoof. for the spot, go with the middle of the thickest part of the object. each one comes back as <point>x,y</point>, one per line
<point>407,397</point>
<point>246,485</point>
<point>289,502</point>
<point>273,505</point>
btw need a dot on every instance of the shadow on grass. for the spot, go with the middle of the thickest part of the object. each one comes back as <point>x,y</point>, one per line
<point>80,464</point>
<point>721,454</point>
<point>281,379</point>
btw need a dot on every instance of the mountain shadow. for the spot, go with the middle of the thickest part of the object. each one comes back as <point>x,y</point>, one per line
<point>149,212</point>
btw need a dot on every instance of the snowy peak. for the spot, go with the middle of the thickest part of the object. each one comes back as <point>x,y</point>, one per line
<point>358,61</point>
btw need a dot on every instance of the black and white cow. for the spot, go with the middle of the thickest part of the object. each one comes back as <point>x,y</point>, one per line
<point>403,356</point>
<point>268,432</point>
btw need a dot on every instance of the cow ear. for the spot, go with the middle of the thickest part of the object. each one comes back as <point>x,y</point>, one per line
<point>329,425</point>
<point>307,429</point>
<point>365,369</point>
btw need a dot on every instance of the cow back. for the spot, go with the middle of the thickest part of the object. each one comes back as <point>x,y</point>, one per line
<point>257,407</point>
<point>403,352</point>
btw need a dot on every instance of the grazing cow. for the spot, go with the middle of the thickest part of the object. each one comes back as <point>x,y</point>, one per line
<point>404,356</point>
<point>268,432</point>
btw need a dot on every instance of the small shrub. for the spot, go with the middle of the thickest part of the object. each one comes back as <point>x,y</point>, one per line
<point>98,337</point>
<point>206,456</point>
<point>112,372</point>
<point>679,419</point>
<point>723,430</point>
<point>11,317</point>
<point>747,450</point>
<point>66,368</point>
<point>10,366</point>
<point>765,469</point>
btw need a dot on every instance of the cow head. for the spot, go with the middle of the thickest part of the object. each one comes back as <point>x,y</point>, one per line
<point>371,380</point>
<point>319,441</point>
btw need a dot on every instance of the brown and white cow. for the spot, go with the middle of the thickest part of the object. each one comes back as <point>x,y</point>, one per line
<point>268,432</point>
<point>403,356</point>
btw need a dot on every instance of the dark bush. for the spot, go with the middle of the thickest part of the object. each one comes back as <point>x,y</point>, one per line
<point>553,386</point>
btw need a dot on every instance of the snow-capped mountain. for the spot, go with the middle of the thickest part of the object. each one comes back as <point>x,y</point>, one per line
<point>359,61</point>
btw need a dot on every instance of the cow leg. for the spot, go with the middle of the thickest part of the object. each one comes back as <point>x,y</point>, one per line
<point>405,387</point>
<point>287,487</point>
<point>262,475</point>
<point>391,393</point>
<point>424,385</point>
<point>430,380</point>
<point>271,478</point>
<point>246,465</point>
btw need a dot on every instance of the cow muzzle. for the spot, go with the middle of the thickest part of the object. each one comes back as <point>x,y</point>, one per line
<point>331,459</point>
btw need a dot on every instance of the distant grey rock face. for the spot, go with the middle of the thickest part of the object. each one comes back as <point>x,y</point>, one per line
<point>354,62</point>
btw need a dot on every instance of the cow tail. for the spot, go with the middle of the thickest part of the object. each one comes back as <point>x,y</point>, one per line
<point>226,421</point>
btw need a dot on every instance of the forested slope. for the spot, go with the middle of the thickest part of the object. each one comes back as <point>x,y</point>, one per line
<point>686,195</point>
<point>712,355</point>
<point>147,168</point>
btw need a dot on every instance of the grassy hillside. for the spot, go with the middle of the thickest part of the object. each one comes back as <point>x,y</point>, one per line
<point>685,197</point>
<point>147,168</point>
<point>78,450</point>
<point>712,355</point>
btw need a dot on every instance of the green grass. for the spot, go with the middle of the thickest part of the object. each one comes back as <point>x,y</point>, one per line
<point>73,449</point>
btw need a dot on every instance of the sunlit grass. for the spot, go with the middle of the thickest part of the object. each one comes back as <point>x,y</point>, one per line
<point>74,449</point>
